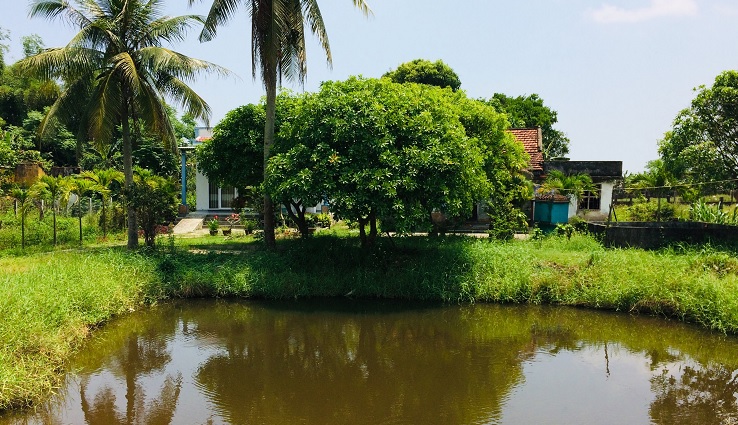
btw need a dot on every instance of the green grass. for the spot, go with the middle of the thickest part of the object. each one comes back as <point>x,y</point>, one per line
<point>50,301</point>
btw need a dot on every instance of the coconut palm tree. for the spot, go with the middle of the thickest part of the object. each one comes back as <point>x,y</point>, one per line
<point>117,71</point>
<point>278,50</point>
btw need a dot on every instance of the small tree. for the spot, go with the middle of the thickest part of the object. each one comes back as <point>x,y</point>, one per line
<point>81,188</point>
<point>22,198</point>
<point>155,198</point>
<point>102,181</point>
<point>54,190</point>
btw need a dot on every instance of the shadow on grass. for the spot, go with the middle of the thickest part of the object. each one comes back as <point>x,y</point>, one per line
<point>322,266</point>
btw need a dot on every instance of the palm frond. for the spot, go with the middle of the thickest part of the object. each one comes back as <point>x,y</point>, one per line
<point>162,60</point>
<point>221,12</point>
<point>52,9</point>
<point>105,107</point>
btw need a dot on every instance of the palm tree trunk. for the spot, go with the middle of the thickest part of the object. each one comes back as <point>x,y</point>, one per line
<point>271,101</point>
<point>128,174</point>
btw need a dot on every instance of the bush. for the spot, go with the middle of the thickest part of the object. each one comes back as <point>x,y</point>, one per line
<point>642,210</point>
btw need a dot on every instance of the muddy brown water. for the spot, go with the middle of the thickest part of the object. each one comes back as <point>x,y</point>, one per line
<point>358,362</point>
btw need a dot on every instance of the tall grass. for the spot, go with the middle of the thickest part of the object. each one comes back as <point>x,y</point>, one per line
<point>50,301</point>
<point>48,304</point>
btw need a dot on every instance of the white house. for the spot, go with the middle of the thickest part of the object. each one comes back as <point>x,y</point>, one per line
<point>210,196</point>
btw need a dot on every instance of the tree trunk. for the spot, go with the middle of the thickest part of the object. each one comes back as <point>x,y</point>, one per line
<point>271,102</point>
<point>298,218</point>
<point>372,227</point>
<point>128,174</point>
<point>362,231</point>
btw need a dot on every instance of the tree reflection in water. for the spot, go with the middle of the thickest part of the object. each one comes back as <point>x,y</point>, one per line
<point>695,395</point>
<point>339,362</point>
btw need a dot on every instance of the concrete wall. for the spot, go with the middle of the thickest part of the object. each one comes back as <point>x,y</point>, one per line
<point>650,235</point>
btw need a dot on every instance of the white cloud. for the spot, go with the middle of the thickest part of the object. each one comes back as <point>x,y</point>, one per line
<point>656,9</point>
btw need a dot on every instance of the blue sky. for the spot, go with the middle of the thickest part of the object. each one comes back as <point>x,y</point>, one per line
<point>617,71</point>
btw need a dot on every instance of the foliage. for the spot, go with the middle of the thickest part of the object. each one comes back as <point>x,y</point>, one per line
<point>54,190</point>
<point>278,49</point>
<point>701,145</point>
<point>235,154</point>
<point>572,186</point>
<point>213,224</point>
<point>528,112</point>
<point>385,151</point>
<point>104,182</point>
<point>155,198</point>
<point>642,210</point>
<point>232,220</point>
<point>423,71</point>
<point>703,212</point>
<point>655,181</point>
<point>23,199</point>
<point>117,70</point>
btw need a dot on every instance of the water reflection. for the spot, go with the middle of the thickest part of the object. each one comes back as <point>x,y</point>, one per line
<point>337,362</point>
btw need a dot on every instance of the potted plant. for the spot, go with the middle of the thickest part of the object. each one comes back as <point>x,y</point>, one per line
<point>232,220</point>
<point>213,226</point>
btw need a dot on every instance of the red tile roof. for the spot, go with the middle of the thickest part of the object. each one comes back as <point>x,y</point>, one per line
<point>532,142</point>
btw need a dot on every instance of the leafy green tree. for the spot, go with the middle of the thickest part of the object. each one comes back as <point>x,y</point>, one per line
<point>381,151</point>
<point>235,154</point>
<point>701,146</point>
<point>423,71</point>
<point>528,112</point>
<point>54,190</point>
<point>654,181</point>
<point>278,50</point>
<point>117,69</point>
<point>4,36</point>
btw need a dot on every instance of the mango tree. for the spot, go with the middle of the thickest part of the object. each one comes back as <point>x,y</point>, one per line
<point>382,151</point>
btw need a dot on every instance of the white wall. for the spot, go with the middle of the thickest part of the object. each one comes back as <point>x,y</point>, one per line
<point>201,192</point>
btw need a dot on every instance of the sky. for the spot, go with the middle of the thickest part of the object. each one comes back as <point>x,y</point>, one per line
<point>616,71</point>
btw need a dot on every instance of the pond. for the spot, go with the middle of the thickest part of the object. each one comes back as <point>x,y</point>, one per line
<point>379,362</point>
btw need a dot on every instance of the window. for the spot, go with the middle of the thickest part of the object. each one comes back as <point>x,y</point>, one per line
<point>591,199</point>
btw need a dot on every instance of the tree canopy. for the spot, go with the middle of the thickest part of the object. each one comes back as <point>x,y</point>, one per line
<point>701,146</point>
<point>529,111</point>
<point>381,151</point>
<point>423,71</point>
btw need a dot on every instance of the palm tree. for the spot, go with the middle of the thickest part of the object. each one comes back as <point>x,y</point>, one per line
<point>116,62</point>
<point>573,186</point>
<point>102,180</point>
<point>22,198</point>
<point>278,49</point>
<point>81,187</point>
<point>54,189</point>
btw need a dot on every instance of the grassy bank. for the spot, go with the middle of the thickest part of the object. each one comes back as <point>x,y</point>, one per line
<point>49,302</point>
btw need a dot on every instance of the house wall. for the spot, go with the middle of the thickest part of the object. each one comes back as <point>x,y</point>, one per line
<point>201,192</point>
